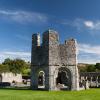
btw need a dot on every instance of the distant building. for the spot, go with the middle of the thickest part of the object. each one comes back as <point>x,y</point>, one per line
<point>10,77</point>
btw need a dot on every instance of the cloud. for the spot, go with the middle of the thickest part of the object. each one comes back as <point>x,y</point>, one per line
<point>90,26</point>
<point>13,55</point>
<point>23,16</point>
<point>87,48</point>
<point>94,25</point>
<point>89,53</point>
<point>89,60</point>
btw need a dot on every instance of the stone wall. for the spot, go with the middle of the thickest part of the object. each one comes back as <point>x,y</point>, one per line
<point>10,77</point>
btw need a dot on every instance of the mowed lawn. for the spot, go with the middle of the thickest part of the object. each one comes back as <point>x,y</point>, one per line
<point>92,94</point>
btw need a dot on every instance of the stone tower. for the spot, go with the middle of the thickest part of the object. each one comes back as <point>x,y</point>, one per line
<point>53,65</point>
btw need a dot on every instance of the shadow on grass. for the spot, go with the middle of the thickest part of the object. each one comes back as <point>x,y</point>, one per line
<point>21,88</point>
<point>15,88</point>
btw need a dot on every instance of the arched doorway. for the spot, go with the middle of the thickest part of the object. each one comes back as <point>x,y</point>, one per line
<point>41,79</point>
<point>63,80</point>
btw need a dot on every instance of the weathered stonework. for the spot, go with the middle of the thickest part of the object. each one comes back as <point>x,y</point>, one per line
<point>54,65</point>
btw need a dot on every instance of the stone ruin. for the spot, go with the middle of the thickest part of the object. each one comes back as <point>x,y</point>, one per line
<point>53,65</point>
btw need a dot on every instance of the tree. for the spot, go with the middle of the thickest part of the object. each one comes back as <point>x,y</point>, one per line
<point>97,66</point>
<point>83,69</point>
<point>91,68</point>
<point>16,65</point>
<point>26,72</point>
<point>4,68</point>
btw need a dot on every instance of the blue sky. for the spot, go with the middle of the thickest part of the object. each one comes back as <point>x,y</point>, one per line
<point>79,19</point>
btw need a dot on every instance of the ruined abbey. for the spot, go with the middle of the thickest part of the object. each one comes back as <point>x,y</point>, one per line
<point>54,65</point>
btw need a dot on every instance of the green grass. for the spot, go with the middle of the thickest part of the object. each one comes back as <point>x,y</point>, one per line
<point>7,94</point>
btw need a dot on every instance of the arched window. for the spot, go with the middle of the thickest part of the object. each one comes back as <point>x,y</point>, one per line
<point>41,79</point>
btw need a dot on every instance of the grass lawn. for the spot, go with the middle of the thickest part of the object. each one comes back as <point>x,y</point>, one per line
<point>92,94</point>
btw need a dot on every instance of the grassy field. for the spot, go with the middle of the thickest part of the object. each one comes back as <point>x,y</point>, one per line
<point>92,94</point>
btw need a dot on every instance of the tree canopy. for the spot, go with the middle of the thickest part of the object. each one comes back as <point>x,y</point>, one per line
<point>90,68</point>
<point>15,66</point>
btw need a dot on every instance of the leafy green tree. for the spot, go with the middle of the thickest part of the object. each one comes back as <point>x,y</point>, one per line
<point>83,69</point>
<point>17,65</point>
<point>26,72</point>
<point>97,66</point>
<point>4,68</point>
<point>91,68</point>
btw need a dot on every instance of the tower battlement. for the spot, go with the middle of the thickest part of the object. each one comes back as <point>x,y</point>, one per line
<point>36,39</point>
<point>50,37</point>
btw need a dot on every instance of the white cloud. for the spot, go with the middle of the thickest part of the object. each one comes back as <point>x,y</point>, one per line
<point>88,60</point>
<point>89,53</point>
<point>24,16</point>
<point>89,24</point>
<point>18,53</point>
<point>93,25</point>
<point>13,55</point>
<point>86,48</point>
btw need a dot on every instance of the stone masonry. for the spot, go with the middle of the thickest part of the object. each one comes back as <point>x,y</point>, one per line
<point>53,65</point>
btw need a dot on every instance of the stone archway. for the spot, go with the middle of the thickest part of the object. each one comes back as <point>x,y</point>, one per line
<point>41,79</point>
<point>63,80</point>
